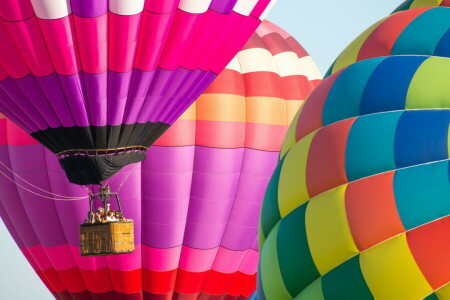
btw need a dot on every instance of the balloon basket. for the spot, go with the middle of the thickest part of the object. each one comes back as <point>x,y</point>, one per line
<point>108,238</point>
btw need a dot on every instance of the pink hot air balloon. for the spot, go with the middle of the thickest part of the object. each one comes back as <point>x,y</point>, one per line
<point>195,201</point>
<point>97,82</point>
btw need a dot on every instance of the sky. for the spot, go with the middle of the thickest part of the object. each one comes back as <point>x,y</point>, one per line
<point>324,28</point>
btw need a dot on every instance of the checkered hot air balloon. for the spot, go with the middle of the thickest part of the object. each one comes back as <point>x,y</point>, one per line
<point>359,205</point>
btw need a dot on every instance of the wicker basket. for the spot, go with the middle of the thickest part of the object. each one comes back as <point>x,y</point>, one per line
<point>106,238</point>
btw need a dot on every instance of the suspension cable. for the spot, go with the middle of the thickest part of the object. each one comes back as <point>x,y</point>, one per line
<point>37,194</point>
<point>36,187</point>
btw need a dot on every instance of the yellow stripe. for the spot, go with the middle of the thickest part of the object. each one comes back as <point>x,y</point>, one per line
<point>425,3</point>
<point>292,188</point>
<point>329,236</point>
<point>350,54</point>
<point>392,273</point>
<point>290,139</point>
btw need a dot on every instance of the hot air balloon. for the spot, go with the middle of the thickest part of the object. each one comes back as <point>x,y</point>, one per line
<point>97,82</point>
<point>195,200</point>
<point>357,207</point>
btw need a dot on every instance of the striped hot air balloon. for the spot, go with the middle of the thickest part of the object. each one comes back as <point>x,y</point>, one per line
<point>195,201</point>
<point>358,207</point>
<point>97,82</point>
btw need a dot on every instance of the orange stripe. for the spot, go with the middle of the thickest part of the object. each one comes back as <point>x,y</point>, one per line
<point>221,107</point>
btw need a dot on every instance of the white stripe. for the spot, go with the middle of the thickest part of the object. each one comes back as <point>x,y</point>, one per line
<point>245,7</point>
<point>51,9</point>
<point>234,65</point>
<point>126,7</point>
<point>256,60</point>
<point>289,64</point>
<point>194,6</point>
<point>267,10</point>
<point>312,71</point>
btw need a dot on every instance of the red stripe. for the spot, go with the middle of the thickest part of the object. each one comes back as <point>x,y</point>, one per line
<point>228,82</point>
<point>159,282</point>
<point>383,38</point>
<point>153,282</point>
<point>263,84</point>
<point>326,158</point>
<point>276,44</point>
<point>430,246</point>
<point>54,280</point>
<point>127,282</point>
<point>97,281</point>
<point>296,87</point>
<point>254,42</point>
<point>311,115</point>
<point>296,47</point>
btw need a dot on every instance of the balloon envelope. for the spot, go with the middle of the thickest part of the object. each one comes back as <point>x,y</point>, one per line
<point>357,207</point>
<point>97,82</point>
<point>195,201</point>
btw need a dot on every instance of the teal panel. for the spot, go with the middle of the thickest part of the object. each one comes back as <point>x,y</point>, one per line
<point>370,146</point>
<point>422,193</point>
<point>346,282</point>
<point>270,213</point>
<point>344,99</point>
<point>423,34</point>
<point>431,297</point>
<point>296,263</point>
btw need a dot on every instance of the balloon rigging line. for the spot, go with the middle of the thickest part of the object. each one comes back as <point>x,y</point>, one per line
<point>36,187</point>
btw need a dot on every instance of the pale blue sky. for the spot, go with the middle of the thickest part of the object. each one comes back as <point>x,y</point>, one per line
<point>323,27</point>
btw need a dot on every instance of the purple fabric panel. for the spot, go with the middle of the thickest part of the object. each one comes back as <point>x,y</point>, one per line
<point>12,204</point>
<point>21,101</point>
<point>166,185</point>
<point>118,84</point>
<point>74,94</point>
<point>223,6</point>
<point>89,8</point>
<point>214,185</point>
<point>242,227</point>
<point>52,88</point>
<point>139,86</point>
<point>29,162</point>
<point>95,87</point>
<point>168,91</point>
<point>30,87</point>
